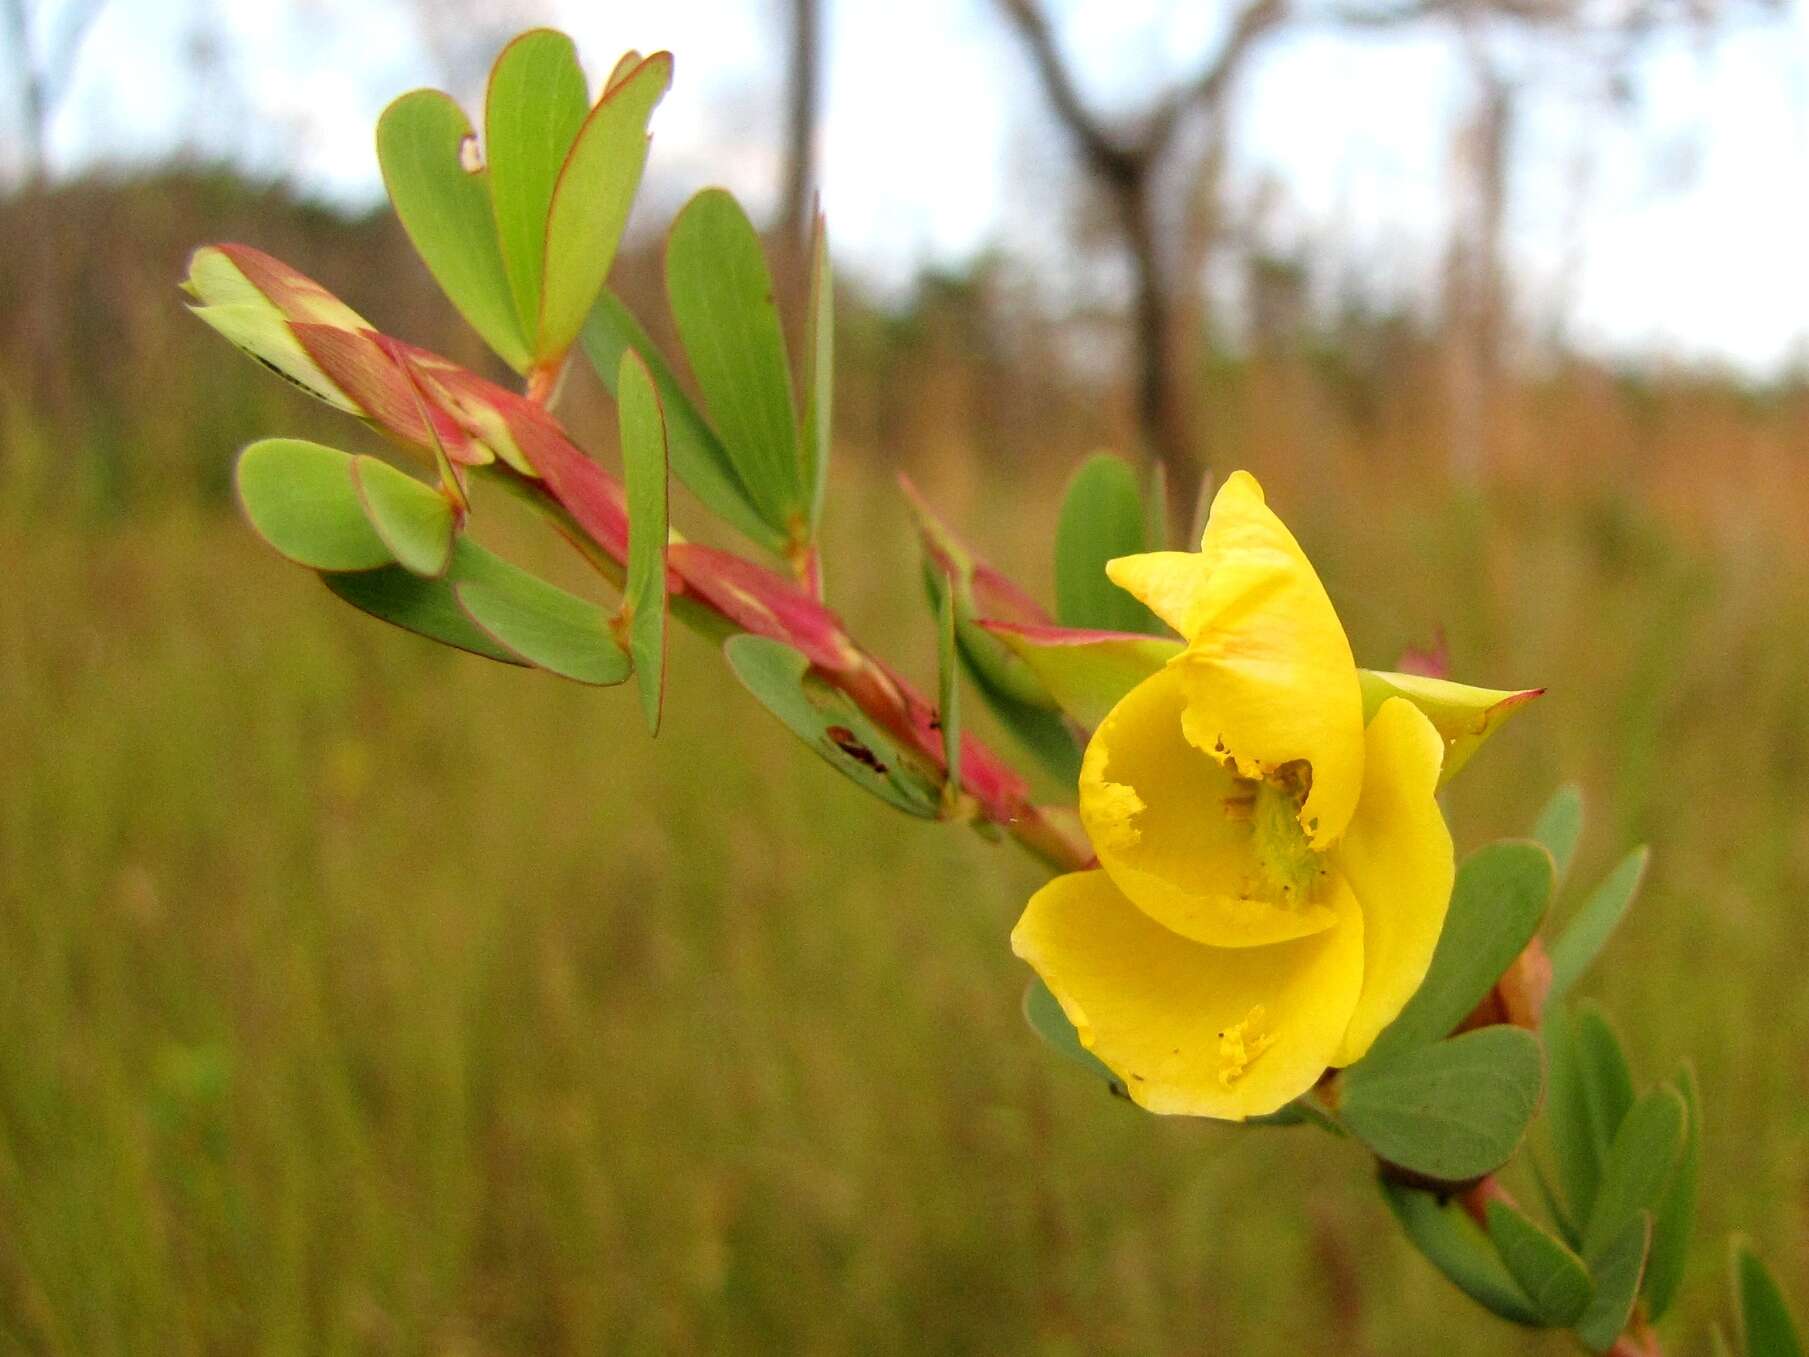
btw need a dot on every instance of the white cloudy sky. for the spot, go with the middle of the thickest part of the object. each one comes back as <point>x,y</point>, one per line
<point>1677,230</point>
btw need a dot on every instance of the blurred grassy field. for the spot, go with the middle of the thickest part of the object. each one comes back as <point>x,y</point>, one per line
<point>361,997</point>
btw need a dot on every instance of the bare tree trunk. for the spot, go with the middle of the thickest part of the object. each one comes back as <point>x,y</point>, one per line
<point>1127,164</point>
<point>1159,348</point>
<point>793,223</point>
<point>1476,308</point>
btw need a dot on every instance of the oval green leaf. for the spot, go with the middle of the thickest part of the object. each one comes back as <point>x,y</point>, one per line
<point>1569,1121</point>
<point>591,201</point>
<point>441,191</point>
<point>1497,902</point>
<point>1639,1166</point>
<point>698,456</point>
<point>301,499</point>
<point>1456,1245</point>
<point>1102,518</point>
<point>832,726</point>
<point>1676,1217</point>
<point>1607,1080</point>
<point>1560,826</point>
<point>1552,1276</point>
<point>1594,923</point>
<point>1451,1111</point>
<point>533,108</point>
<point>415,521</point>
<point>1616,1271</point>
<point>1761,1313</point>
<point>721,297</point>
<point>426,607</point>
<point>545,626</point>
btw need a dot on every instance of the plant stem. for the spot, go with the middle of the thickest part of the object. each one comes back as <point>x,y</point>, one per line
<point>994,785</point>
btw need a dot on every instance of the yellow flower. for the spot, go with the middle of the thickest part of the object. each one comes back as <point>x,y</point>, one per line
<point>1273,872</point>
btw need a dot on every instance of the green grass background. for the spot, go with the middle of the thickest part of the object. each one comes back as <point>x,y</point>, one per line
<point>361,997</point>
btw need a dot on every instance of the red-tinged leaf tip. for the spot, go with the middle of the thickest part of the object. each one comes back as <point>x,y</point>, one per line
<point>292,292</point>
<point>987,590</point>
<point>1508,705</point>
<point>626,72</point>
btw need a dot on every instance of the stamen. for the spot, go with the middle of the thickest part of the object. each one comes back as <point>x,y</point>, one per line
<point>1239,1046</point>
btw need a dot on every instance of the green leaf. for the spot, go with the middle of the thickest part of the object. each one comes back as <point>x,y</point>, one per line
<point>424,143</point>
<point>415,521</point>
<point>1616,1270</point>
<point>1451,1111</point>
<point>1544,1266</point>
<point>1086,672</point>
<point>1101,518</point>
<point>591,202</point>
<point>721,297</point>
<point>1607,1082</point>
<point>1591,1093</point>
<point>1676,1218</point>
<point>1762,1316</point>
<point>643,433</point>
<point>1569,1121</point>
<point>1043,734</point>
<point>980,593</point>
<point>1594,923</point>
<point>302,500</point>
<point>1041,730</point>
<point>819,371</point>
<point>1638,1167</point>
<point>698,456</point>
<point>485,605</point>
<point>948,698</point>
<point>826,720</point>
<point>1554,1204</point>
<point>1560,826</point>
<point>1043,1013</point>
<point>546,626</point>
<point>535,104</point>
<point>1496,904</point>
<point>423,606</point>
<point>1456,1245</point>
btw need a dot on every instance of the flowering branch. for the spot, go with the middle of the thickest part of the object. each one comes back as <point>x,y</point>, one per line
<point>1257,913</point>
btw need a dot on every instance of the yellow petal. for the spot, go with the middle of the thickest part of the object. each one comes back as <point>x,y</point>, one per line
<point>1268,670</point>
<point>1190,1029</point>
<point>1397,857</point>
<point>1172,826</point>
<point>1464,716</point>
<point>1168,583</point>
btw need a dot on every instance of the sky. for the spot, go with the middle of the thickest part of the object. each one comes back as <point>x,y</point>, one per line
<point>1674,231</point>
